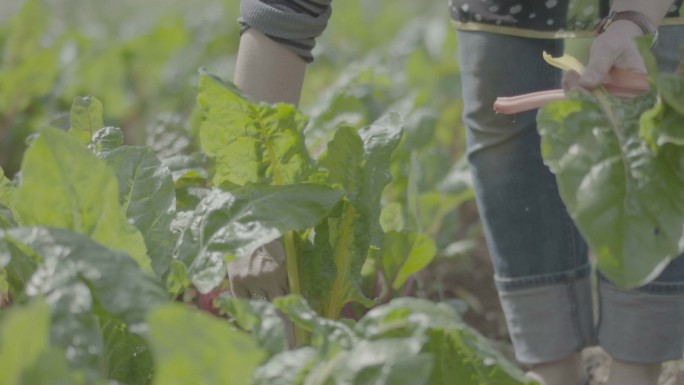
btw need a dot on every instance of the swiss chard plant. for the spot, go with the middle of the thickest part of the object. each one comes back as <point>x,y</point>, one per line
<point>620,170</point>
<point>100,244</point>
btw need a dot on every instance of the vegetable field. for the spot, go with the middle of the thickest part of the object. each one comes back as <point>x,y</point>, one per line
<point>133,172</point>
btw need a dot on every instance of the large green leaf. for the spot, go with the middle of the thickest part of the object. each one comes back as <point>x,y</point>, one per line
<point>237,223</point>
<point>627,201</point>
<point>24,336</point>
<point>86,118</point>
<point>126,355</point>
<point>80,280</point>
<point>191,347</point>
<point>404,254</point>
<point>342,356</point>
<point>359,163</point>
<point>147,193</point>
<point>459,352</point>
<point>66,186</point>
<point>250,142</point>
<point>407,341</point>
<point>70,260</point>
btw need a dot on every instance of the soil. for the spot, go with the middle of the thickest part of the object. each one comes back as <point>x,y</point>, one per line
<point>470,278</point>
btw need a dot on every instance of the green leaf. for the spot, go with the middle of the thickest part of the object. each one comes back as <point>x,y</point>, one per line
<point>324,332</point>
<point>190,347</point>
<point>7,190</point>
<point>24,336</point>
<point>237,223</point>
<point>661,125</point>
<point>344,160</point>
<point>186,168</point>
<point>343,357</point>
<point>127,356</point>
<point>20,263</point>
<point>170,136</point>
<point>408,341</point>
<point>458,350</point>
<point>388,361</point>
<point>86,118</point>
<point>52,368</point>
<point>82,282</point>
<point>434,207</point>
<point>25,32</point>
<point>178,279</point>
<point>28,69</point>
<point>250,142</point>
<point>404,254</point>
<point>380,139</point>
<point>317,267</point>
<point>6,218</point>
<point>77,271</point>
<point>359,162</point>
<point>66,186</point>
<point>287,368</point>
<point>627,202</point>
<point>392,217</point>
<point>260,319</point>
<point>147,194</point>
<point>106,140</point>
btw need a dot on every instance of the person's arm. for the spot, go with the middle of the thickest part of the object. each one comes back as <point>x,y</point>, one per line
<point>615,47</point>
<point>275,45</point>
<point>268,71</point>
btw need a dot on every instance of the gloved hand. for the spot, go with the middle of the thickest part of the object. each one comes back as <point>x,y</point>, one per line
<point>262,275</point>
<point>615,47</point>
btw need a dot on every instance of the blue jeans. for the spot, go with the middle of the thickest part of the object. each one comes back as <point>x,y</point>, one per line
<point>542,270</point>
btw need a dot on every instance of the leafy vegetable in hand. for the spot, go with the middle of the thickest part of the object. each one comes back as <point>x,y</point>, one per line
<point>625,194</point>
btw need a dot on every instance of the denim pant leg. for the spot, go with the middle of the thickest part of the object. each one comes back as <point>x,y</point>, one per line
<point>540,260</point>
<point>646,324</point>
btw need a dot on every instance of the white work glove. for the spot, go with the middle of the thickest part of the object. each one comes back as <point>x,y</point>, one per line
<point>260,276</point>
<point>616,47</point>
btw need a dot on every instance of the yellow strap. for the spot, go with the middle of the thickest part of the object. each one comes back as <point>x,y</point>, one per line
<point>534,34</point>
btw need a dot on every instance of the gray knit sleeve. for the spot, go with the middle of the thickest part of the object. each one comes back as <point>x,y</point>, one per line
<point>293,23</point>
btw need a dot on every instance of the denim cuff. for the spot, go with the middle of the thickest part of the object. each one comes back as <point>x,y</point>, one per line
<point>644,325</point>
<point>549,322</point>
<point>530,281</point>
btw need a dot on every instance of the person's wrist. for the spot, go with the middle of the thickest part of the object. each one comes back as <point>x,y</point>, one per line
<point>626,28</point>
<point>640,23</point>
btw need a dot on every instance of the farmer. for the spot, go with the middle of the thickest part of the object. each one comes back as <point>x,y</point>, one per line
<point>540,259</point>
